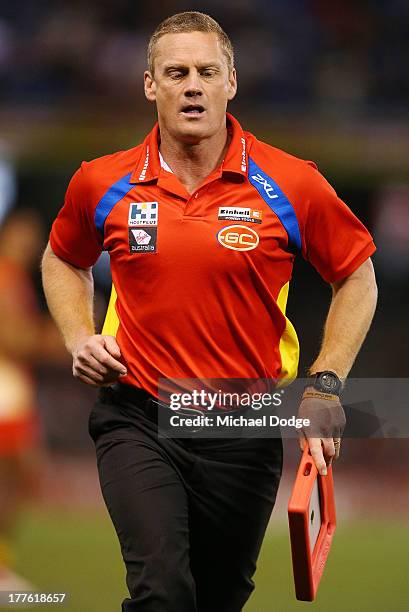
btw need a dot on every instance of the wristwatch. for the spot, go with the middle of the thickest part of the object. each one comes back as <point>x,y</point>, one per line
<point>327,382</point>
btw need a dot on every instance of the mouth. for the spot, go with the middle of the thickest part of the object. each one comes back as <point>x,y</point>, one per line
<point>192,110</point>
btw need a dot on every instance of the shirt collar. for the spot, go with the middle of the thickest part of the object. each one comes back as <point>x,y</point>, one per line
<point>163,164</point>
<point>235,161</point>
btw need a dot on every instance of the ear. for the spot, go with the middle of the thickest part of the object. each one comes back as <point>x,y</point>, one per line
<point>149,86</point>
<point>232,86</point>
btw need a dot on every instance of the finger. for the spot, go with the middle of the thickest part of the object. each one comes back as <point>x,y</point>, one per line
<point>104,358</point>
<point>85,379</point>
<point>337,446</point>
<point>90,361</point>
<point>84,370</point>
<point>106,381</point>
<point>102,380</point>
<point>302,441</point>
<point>317,455</point>
<point>337,442</point>
<point>91,382</point>
<point>328,449</point>
<point>94,355</point>
<point>112,346</point>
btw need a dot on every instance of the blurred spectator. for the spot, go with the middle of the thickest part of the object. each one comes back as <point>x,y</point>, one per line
<point>391,234</point>
<point>26,338</point>
<point>7,182</point>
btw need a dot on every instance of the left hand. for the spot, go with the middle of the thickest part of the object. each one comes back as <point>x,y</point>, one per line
<point>327,422</point>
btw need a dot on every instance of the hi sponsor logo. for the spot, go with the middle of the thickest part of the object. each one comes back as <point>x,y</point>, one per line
<point>143,213</point>
<point>240,213</point>
<point>238,238</point>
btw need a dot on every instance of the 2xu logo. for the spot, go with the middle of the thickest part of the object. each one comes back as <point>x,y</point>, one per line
<point>238,238</point>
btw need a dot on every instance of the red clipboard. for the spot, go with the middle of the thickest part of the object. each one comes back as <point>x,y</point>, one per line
<point>312,522</point>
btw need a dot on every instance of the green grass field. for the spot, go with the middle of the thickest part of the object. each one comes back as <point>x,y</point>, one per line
<point>367,571</point>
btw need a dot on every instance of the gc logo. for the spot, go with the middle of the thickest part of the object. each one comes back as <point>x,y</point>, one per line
<point>238,238</point>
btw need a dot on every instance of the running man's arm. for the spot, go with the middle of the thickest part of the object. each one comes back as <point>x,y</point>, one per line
<point>350,314</point>
<point>349,317</point>
<point>70,292</point>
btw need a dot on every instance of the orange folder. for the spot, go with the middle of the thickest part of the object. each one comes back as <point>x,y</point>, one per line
<point>312,522</point>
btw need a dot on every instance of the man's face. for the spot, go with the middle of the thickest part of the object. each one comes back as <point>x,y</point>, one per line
<point>191,85</point>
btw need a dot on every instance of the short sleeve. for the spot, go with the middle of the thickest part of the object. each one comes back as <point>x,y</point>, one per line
<point>74,237</point>
<point>335,241</point>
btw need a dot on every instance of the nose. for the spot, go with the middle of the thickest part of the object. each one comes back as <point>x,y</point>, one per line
<point>193,86</point>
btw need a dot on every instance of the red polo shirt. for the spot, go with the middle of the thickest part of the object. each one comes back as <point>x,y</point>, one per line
<point>200,281</point>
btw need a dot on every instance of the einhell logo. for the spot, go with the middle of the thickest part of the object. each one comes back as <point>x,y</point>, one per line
<point>240,213</point>
<point>238,238</point>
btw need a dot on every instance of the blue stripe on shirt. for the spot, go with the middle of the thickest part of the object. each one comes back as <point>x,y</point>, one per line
<point>277,201</point>
<point>111,197</point>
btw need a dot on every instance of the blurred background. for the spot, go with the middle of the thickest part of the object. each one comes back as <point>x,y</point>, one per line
<point>327,81</point>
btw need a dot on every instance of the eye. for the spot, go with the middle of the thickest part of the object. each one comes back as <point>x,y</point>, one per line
<point>208,73</point>
<point>176,74</point>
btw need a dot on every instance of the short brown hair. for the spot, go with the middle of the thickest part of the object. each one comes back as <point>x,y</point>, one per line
<point>190,21</point>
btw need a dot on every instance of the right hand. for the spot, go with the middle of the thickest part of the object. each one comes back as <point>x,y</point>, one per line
<point>327,422</point>
<point>96,361</point>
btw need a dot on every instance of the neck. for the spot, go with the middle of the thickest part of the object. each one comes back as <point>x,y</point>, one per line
<point>192,163</point>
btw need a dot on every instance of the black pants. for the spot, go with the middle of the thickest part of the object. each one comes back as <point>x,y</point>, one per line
<point>190,514</point>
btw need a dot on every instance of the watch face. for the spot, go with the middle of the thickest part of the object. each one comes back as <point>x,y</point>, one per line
<point>329,381</point>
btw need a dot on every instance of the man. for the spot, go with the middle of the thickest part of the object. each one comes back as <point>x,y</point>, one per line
<point>202,222</point>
